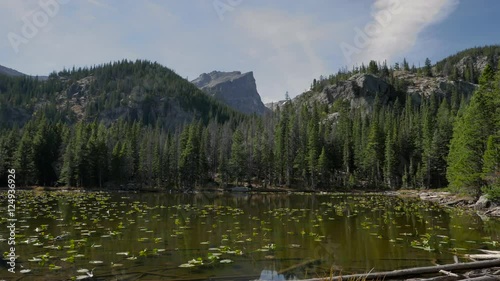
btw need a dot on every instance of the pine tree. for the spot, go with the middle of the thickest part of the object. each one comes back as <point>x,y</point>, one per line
<point>116,163</point>
<point>428,68</point>
<point>374,152</point>
<point>440,144</point>
<point>470,134</point>
<point>406,66</point>
<point>98,155</point>
<point>373,67</point>
<point>24,160</point>
<point>323,167</point>
<point>189,162</point>
<point>239,156</point>
<point>491,167</point>
<point>313,147</point>
<point>390,161</point>
<point>68,171</point>
<point>426,147</point>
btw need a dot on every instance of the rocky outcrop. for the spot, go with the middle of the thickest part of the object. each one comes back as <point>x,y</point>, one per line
<point>76,97</point>
<point>477,62</point>
<point>418,87</point>
<point>360,90</point>
<point>275,104</point>
<point>235,89</point>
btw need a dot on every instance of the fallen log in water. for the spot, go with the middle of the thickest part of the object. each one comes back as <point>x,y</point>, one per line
<point>413,271</point>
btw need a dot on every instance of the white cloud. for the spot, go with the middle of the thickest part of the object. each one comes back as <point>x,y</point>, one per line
<point>399,23</point>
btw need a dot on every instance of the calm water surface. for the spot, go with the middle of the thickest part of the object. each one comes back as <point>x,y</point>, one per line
<point>131,236</point>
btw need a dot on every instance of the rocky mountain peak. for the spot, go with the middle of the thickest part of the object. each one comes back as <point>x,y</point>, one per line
<point>236,89</point>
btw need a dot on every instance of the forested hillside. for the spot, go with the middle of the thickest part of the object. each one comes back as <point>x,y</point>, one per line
<point>139,91</point>
<point>390,140</point>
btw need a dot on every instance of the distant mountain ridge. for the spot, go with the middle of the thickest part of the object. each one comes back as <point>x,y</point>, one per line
<point>237,90</point>
<point>14,73</point>
<point>10,72</point>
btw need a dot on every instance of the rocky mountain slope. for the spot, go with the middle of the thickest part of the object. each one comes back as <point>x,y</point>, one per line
<point>458,74</point>
<point>361,89</point>
<point>237,90</point>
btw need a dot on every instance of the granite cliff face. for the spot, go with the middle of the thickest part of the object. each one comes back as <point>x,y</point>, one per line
<point>237,90</point>
<point>360,90</point>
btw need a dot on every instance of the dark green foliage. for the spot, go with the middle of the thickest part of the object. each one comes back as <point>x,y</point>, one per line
<point>239,157</point>
<point>471,132</point>
<point>491,167</point>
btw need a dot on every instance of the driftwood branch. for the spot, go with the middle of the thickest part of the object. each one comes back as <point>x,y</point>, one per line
<point>490,252</point>
<point>413,271</point>
<point>448,273</point>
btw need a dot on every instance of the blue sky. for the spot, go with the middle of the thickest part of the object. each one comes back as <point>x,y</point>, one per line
<point>285,43</point>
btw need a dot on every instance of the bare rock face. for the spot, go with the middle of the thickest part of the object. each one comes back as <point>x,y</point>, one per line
<point>274,105</point>
<point>360,90</point>
<point>478,63</point>
<point>423,87</point>
<point>235,89</point>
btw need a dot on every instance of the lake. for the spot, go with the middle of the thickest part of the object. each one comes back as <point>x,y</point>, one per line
<point>160,236</point>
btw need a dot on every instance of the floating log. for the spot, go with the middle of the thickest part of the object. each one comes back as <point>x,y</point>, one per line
<point>413,271</point>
